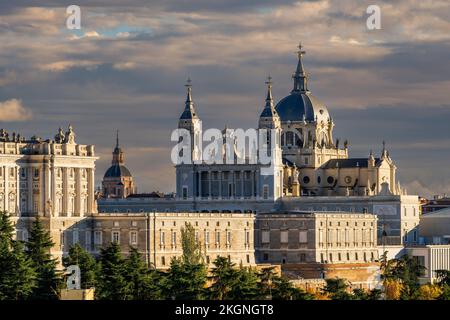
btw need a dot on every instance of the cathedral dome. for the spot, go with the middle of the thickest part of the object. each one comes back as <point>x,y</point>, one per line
<point>299,106</point>
<point>117,171</point>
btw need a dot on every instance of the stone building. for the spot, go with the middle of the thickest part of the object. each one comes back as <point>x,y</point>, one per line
<point>52,178</point>
<point>118,182</point>
<point>317,245</point>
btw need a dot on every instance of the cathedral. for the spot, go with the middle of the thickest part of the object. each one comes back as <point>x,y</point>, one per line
<point>317,210</point>
<point>307,161</point>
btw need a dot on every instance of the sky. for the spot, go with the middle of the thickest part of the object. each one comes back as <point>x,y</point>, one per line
<point>126,68</point>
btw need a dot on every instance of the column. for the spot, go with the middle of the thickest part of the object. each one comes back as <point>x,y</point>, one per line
<point>200,184</point>
<point>18,191</point>
<point>209,184</point>
<point>6,188</point>
<point>46,191</point>
<point>242,184</point>
<point>78,208</point>
<point>220,183</point>
<point>53,191</point>
<point>65,185</point>
<point>30,189</point>
<point>253,183</point>
<point>91,190</point>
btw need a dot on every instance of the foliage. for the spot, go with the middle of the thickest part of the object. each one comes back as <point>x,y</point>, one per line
<point>38,251</point>
<point>429,292</point>
<point>86,262</point>
<point>17,276</point>
<point>392,289</point>
<point>185,281</point>
<point>113,282</point>
<point>246,286</point>
<point>191,248</point>
<point>337,289</point>
<point>224,277</point>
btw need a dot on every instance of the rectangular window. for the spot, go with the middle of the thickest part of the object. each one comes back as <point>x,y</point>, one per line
<point>163,261</point>
<point>133,238</point>
<point>265,191</point>
<point>217,237</point>
<point>247,237</point>
<point>284,237</point>
<point>265,256</point>
<point>98,237</point>
<point>23,173</point>
<point>185,193</point>
<point>88,240</point>
<point>174,238</point>
<point>197,238</point>
<point>115,236</point>
<point>36,172</point>
<point>229,238</point>
<point>265,238</point>
<point>75,236</point>
<point>161,238</point>
<point>303,236</point>
<point>248,258</point>
<point>206,237</point>
<point>320,236</point>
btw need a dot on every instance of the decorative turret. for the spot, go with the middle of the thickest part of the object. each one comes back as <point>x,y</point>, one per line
<point>118,155</point>
<point>269,116</point>
<point>189,109</point>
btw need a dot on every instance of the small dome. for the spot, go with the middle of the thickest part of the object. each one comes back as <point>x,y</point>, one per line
<point>301,105</point>
<point>117,171</point>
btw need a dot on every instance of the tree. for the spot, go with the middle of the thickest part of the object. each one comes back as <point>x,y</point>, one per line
<point>361,294</point>
<point>185,281</point>
<point>38,251</point>
<point>17,276</point>
<point>266,276</point>
<point>429,292</point>
<point>88,266</point>
<point>145,283</point>
<point>392,289</point>
<point>337,289</point>
<point>224,277</point>
<point>112,279</point>
<point>191,247</point>
<point>246,286</point>
<point>284,290</point>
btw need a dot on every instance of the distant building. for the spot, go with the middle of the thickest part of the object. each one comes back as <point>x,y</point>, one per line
<point>435,227</point>
<point>118,182</point>
<point>437,203</point>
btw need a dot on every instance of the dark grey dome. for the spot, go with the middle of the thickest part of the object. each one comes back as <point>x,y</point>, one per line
<point>116,171</point>
<point>301,105</point>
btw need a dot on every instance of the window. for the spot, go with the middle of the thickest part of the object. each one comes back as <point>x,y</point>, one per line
<point>265,256</point>
<point>348,256</point>
<point>185,193</point>
<point>207,260</point>
<point>197,239</point>
<point>321,258</point>
<point>229,238</point>
<point>284,237</point>
<point>133,238</point>
<point>306,180</point>
<point>115,236</point>
<point>88,240</point>
<point>265,191</point>
<point>339,256</point>
<point>75,236</point>
<point>217,237</point>
<point>206,237</point>
<point>36,172</point>
<point>98,237</point>
<point>320,236</point>
<point>163,261</point>
<point>356,256</point>
<point>11,172</point>
<point>247,237</point>
<point>174,238</point>
<point>303,236</point>
<point>302,257</point>
<point>265,238</point>
<point>248,258</point>
<point>161,238</point>
<point>23,173</point>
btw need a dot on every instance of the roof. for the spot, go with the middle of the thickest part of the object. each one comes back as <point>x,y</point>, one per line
<point>154,194</point>
<point>301,105</point>
<point>117,171</point>
<point>348,163</point>
<point>443,213</point>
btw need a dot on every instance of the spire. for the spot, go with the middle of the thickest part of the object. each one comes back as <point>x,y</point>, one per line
<point>300,77</point>
<point>118,156</point>
<point>269,109</point>
<point>189,110</point>
<point>269,98</point>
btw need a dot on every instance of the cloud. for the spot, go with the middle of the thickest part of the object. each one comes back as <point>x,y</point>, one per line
<point>12,110</point>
